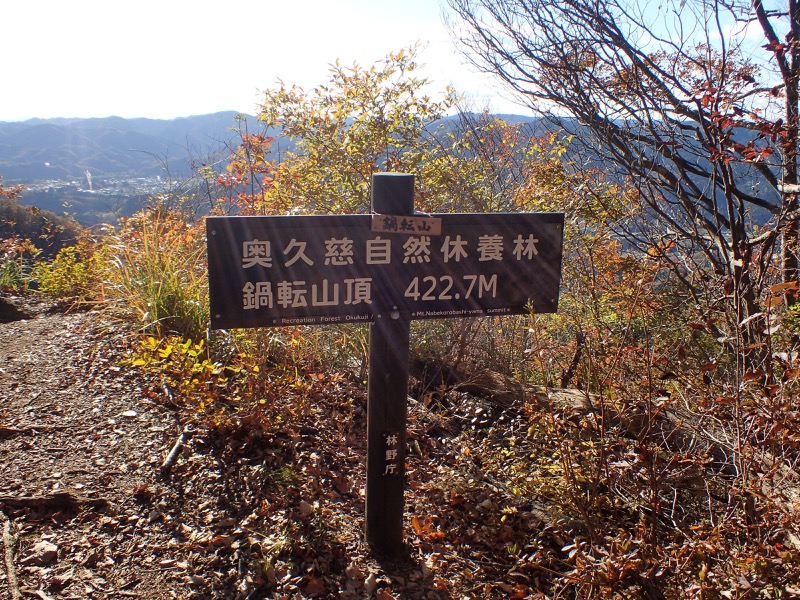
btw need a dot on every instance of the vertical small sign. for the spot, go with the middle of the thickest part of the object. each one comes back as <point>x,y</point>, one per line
<point>392,453</point>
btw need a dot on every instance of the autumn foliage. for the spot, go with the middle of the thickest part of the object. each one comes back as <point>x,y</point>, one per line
<point>642,442</point>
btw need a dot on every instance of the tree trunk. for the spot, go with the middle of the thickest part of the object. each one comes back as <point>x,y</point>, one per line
<point>789,260</point>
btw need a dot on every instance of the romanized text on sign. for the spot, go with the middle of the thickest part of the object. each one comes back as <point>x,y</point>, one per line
<point>275,271</point>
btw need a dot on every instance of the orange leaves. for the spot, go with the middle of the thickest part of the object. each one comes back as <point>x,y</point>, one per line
<point>753,375</point>
<point>792,373</point>
<point>12,193</point>
<point>426,528</point>
<point>776,47</point>
<point>780,288</point>
<point>749,152</point>
<point>773,301</point>
<point>778,294</point>
<point>516,591</point>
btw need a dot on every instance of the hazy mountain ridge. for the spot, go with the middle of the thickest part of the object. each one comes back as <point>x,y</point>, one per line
<point>56,149</point>
<point>39,150</point>
<point>131,159</point>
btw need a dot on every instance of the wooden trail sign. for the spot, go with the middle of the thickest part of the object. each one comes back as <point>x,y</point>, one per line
<point>276,271</point>
<point>386,269</point>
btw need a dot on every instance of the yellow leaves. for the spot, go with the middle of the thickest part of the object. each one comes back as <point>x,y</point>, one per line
<point>559,145</point>
<point>184,370</point>
<point>508,511</point>
<point>360,121</point>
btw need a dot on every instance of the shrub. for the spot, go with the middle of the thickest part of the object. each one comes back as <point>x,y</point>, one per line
<point>67,276</point>
<point>16,259</point>
<point>155,273</point>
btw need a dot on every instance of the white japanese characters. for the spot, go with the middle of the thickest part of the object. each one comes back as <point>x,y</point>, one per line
<point>342,251</point>
<point>378,251</point>
<point>256,252</point>
<point>295,294</point>
<point>391,453</point>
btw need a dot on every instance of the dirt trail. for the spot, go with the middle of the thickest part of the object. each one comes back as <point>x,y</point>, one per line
<point>266,505</point>
<point>79,446</point>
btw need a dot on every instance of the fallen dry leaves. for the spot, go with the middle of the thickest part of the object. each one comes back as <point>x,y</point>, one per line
<point>270,504</point>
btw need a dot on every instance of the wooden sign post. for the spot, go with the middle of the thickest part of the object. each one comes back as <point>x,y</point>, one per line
<point>392,194</point>
<point>384,269</point>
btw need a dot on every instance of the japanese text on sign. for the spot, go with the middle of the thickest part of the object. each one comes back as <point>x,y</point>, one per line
<point>425,225</point>
<point>378,251</point>
<point>391,452</point>
<point>286,270</point>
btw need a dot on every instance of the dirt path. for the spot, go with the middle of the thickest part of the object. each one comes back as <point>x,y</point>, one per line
<point>80,448</point>
<point>268,504</point>
<point>243,514</point>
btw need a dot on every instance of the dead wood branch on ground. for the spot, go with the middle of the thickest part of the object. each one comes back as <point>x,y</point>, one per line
<point>9,545</point>
<point>173,455</point>
<point>52,501</point>
<point>12,432</point>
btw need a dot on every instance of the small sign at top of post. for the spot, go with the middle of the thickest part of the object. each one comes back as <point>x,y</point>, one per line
<point>416,225</point>
<point>385,269</point>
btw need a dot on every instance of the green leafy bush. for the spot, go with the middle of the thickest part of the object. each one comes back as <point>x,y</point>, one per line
<point>66,276</point>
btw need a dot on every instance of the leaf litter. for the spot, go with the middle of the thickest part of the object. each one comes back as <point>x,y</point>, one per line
<point>256,508</point>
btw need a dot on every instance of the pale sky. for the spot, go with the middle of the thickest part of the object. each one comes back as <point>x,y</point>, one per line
<point>175,58</point>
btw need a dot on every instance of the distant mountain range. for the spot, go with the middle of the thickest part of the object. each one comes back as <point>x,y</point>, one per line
<point>59,149</point>
<point>98,170</point>
<point>41,150</point>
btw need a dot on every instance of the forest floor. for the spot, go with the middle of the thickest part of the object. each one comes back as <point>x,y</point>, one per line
<point>247,511</point>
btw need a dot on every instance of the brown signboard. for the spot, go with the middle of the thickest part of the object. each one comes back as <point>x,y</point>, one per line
<point>276,271</point>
